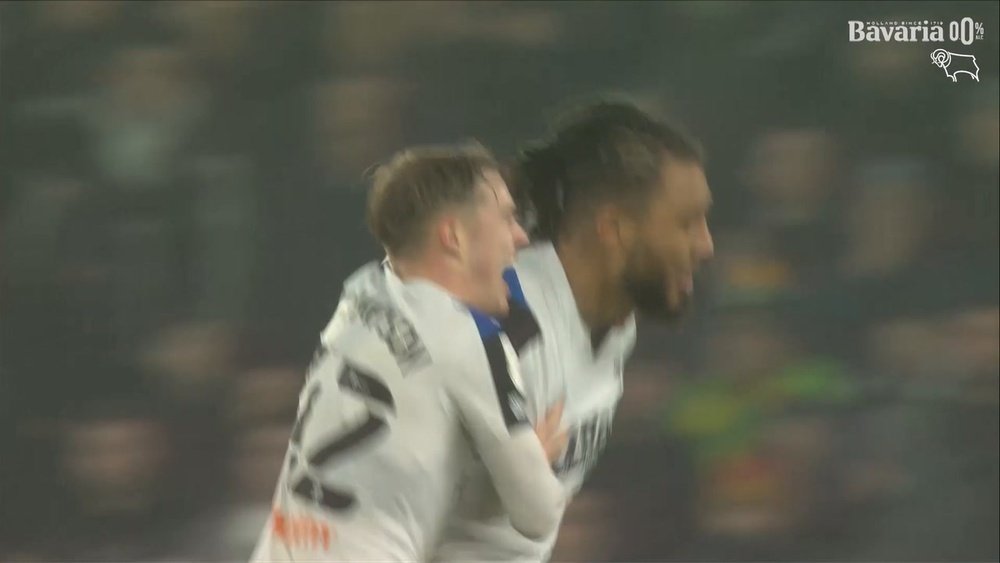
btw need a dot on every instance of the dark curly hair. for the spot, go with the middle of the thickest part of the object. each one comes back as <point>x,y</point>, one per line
<point>600,151</point>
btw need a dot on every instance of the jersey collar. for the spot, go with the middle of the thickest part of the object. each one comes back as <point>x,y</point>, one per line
<point>543,258</point>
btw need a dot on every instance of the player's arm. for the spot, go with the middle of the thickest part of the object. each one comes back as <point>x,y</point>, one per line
<point>520,470</point>
<point>491,409</point>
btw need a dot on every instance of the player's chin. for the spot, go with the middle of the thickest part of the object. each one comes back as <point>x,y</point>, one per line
<point>669,313</point>
<point>682,309</point>
<point>503,304</point>
<point>670,308</point>
<point>682,302</point>
<point>498,303</point>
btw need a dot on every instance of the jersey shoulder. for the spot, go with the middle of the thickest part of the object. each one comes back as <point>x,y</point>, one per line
<point>537,282</point>
<point>452,337</point>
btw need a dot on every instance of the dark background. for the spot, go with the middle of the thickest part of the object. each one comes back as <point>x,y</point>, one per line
<point>181,192</point>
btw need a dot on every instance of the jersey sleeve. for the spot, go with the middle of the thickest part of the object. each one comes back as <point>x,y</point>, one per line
<point>491,409</point>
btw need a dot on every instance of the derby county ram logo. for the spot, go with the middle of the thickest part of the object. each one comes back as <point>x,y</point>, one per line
<point>955,64</point>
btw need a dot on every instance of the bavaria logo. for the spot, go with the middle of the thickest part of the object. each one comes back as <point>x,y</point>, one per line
<point>954,64</point>
<point>964,31</point>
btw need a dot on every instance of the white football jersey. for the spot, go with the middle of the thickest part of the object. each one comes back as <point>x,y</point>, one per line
<point>407,387</point>
<point>561,365</point>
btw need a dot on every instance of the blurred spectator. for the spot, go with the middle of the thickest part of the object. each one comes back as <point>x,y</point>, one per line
<point>646,516</point>
<point>749,269</point>
<point>590,530</point>
<point>358,120</point>
<point>977,129</point>
<point>758,427</point>
<point>260,410</point>
<point>145,112</point>
<point>230,530</point>
<point>316,228</point>
<point>191,363</point>
<point>218,35</point>
<point>113,463</point>
<point>938,434</point>
<point>793,174</point>
<point>69,40</point>
<point>897,258</point>
<point>191,367</point>
<point>889,224</point>
<point>265,395</point>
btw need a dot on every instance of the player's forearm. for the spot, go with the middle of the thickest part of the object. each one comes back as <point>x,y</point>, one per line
<point>529,490</point>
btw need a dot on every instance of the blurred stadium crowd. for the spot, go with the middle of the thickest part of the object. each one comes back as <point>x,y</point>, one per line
<point>182,186</point>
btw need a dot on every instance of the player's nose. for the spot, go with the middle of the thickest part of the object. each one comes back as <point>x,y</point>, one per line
<point>520,236</point>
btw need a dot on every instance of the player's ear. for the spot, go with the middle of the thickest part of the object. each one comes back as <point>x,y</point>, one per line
<point>615,228</point>
<point>450,234</point>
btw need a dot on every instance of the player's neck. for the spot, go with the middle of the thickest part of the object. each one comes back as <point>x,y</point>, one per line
<point>440,272</point>
<point>588,281</point>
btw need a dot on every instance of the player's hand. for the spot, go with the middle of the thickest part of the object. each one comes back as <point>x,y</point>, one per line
<point>551,433</point>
